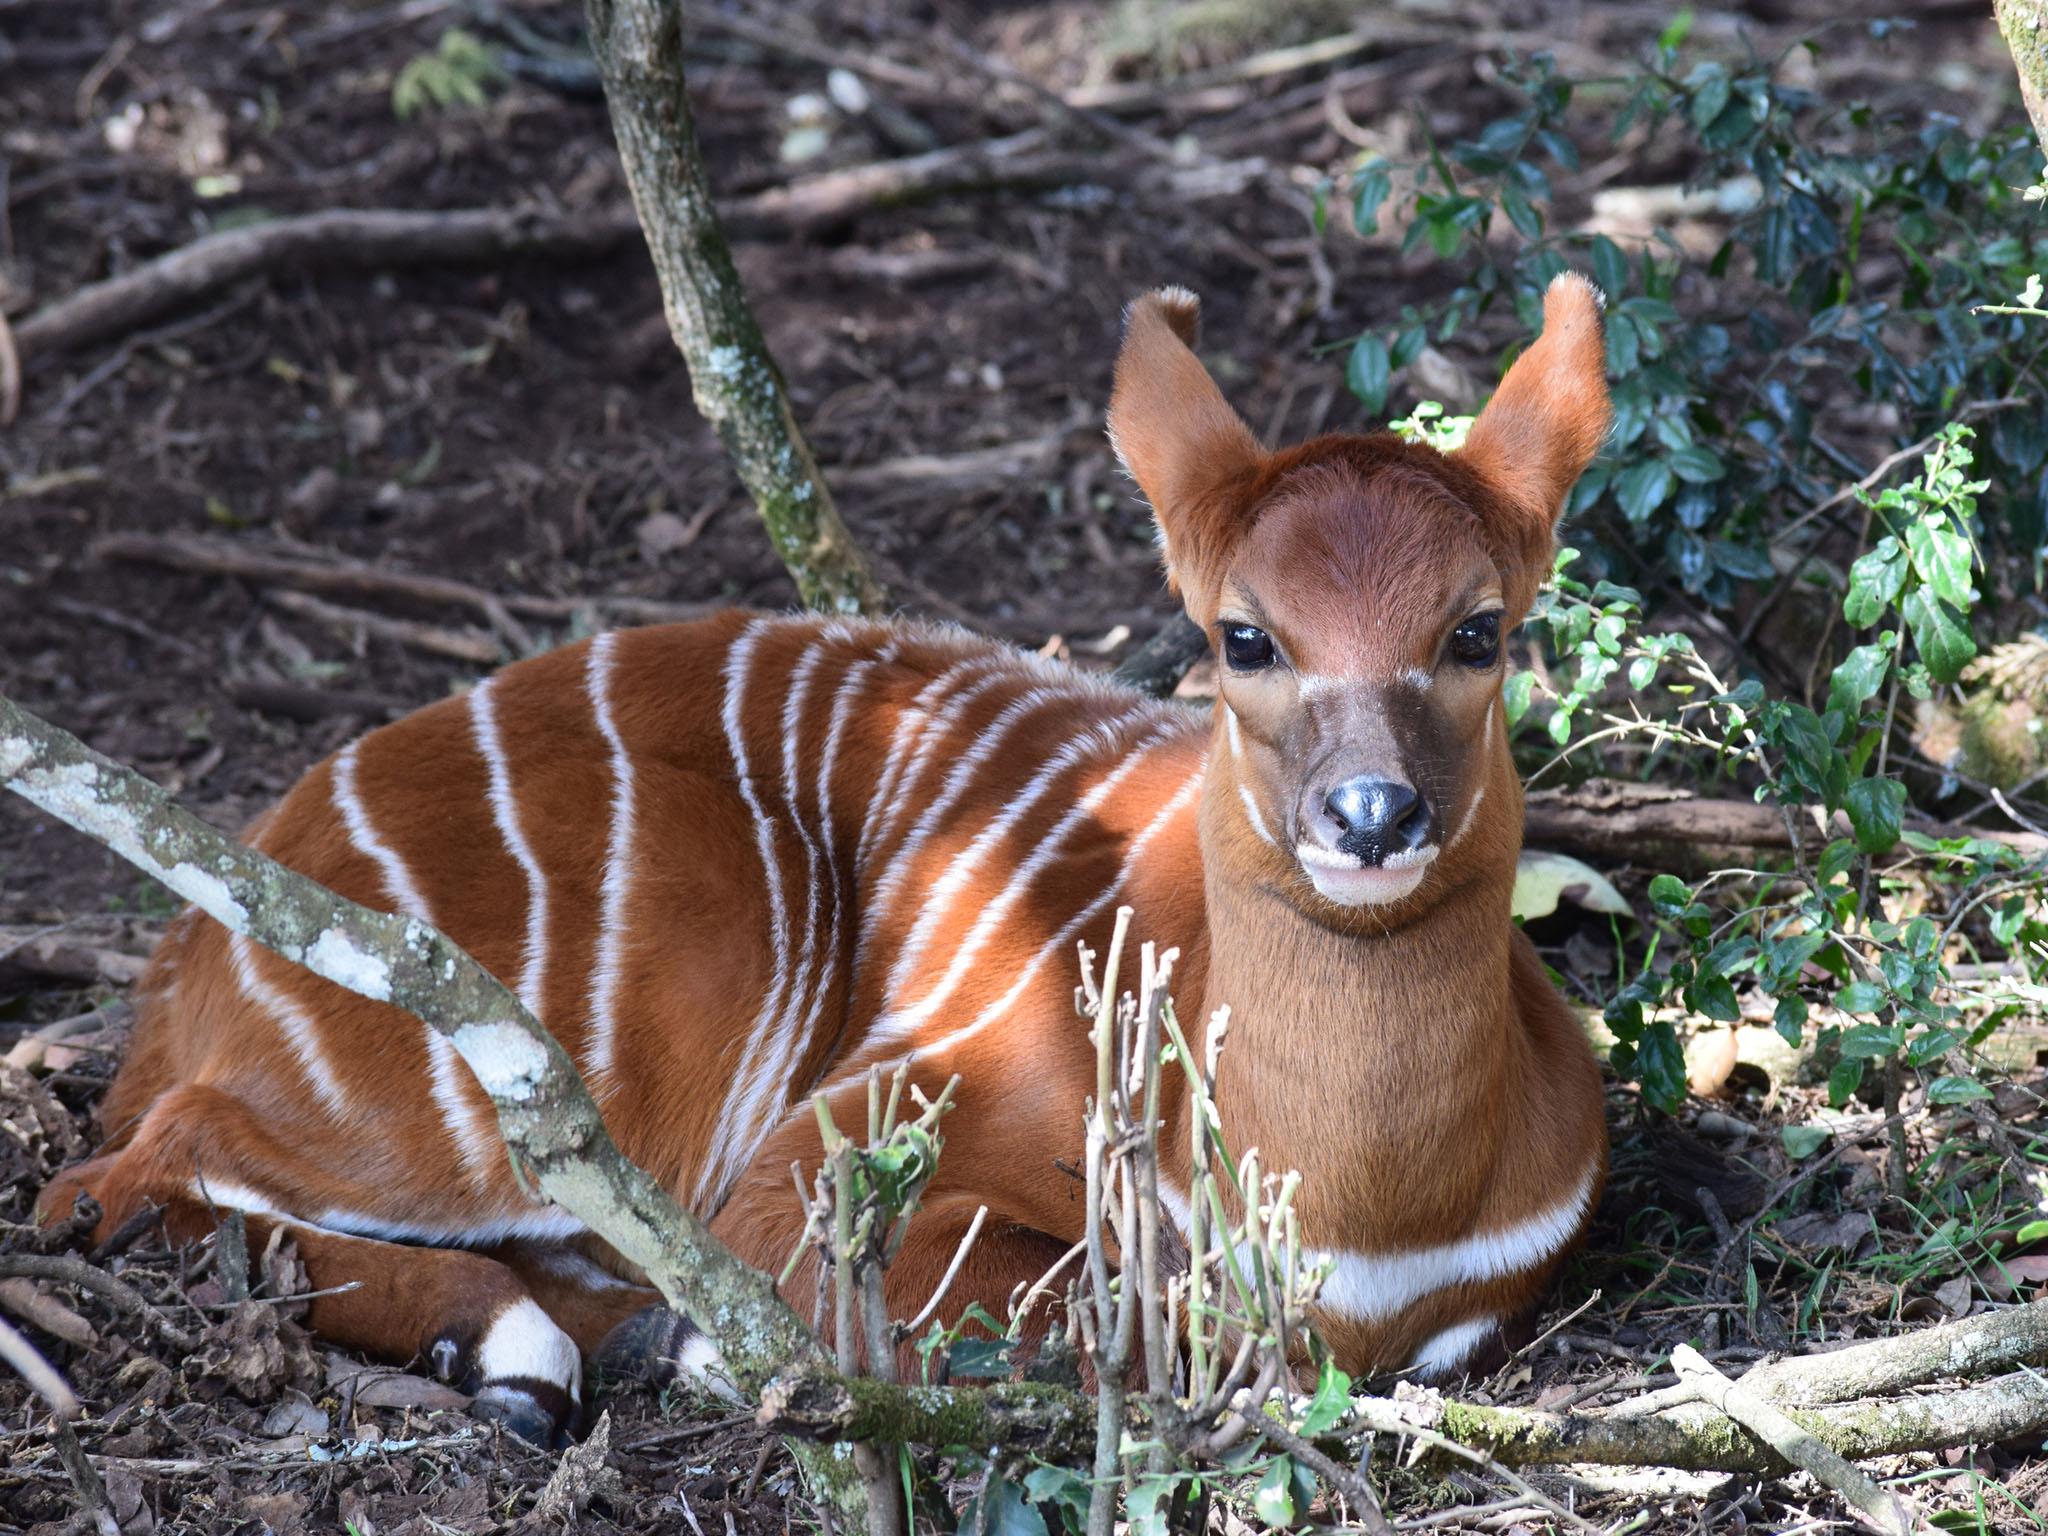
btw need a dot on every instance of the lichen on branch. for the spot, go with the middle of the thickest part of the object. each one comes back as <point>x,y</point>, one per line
<point>639,49</point>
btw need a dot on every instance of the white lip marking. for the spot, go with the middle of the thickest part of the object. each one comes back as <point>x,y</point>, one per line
<point>1350,883</point>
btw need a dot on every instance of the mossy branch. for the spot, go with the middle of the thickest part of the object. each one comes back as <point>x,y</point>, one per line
<point>2024,26</point>
<point>639,49</point>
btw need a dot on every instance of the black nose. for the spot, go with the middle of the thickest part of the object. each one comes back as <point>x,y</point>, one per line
<point>1377,818</point>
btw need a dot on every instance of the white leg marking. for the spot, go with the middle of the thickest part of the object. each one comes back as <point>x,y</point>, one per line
<point>900,1023</point>
<point>524,1341</point>
<point>473,1134</point>
<point>483,719</point>
<point>618,871</point>
<point>298,1027</point>
<point>749,1083</point>
<point>700,1361</point>
<point>1444,1354</point>
<point>1378,1285</point>
<point>1181,800</point>
<point>1102,738</point>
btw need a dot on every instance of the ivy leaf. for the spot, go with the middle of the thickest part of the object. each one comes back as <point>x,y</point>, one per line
<point>1366,373</point>
<point>1516,696</point>
<point>1802,1141</point>
<point>1860,997</point>
<point>1006,1511</point>
<point>1945,645</point>
<point>1875,581</point>
<point>1274,1502</point>
<point>1942,557</point>
<point>1697,465</point>
<point>1844,1081</point>
<point>1956,1090</point>
<point>1714,996</point>
<point>1660,1065</point>
<point>1369,189</point>
<point>1642,488</point>
<point>1149,1505</point>
<point>1876,810</point>
<point>1790,1023</point>
<point>1860,675</point>
<point>1332,1399</point>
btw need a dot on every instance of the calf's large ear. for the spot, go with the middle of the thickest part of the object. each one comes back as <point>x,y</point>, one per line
<point>1541,429</point>
<point>1191,454</point>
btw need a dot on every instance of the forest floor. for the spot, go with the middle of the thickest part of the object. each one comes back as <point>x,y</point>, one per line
<point>527,428</point>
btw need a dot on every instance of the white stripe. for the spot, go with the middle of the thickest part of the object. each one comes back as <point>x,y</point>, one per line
<point>779,1060</point>
<point>300,1031</point>
<point>1485,751</point>
<point>1445,1354</point>
<point>1059,941</point>
<point>483,719</point>
<point>474,1135</point>
<point>618,872</point>
<point>899,1023</point>
<point>1251,809</point>
<point>851,689</point>
<point>1374,1286</point>
<point>397,878</point>
<point>749,1083</point>
<point>1101,737</point>
<point>937,730</point>
<point>543,1224</point>
<point>908,725</point>
<point>1236,741</point>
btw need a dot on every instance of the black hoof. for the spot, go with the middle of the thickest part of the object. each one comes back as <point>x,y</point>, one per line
<point>646,1347</point>
<point>533,1411</point>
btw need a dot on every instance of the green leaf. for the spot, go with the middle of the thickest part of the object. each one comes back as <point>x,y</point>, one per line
<point>1669,894</point>
<point>1056,1485</point>
<point>1149,1505</point>
<point>1642,672</point>
<point>1714,996</point>
<point>1007,1511</point>
<point>979,1358</point>
<point>1790,1020</point>
<point>1875,581</point>
<point>1844,1081</point>
<point>2030,1232</point>
<point>1942,557</point>
<point>1642,488</point>
<point>1802,1141</point>
<point>1369,189</point>
<point>1876,810</point>
<point>1660,1065</point>
<point>1860,675</point>
<point>1516,696</point>
<point>1274,1502</point>
<point>1945,645</point>
<point>1697,465</point>
<point>1860,997</point>
<point>1331,1402</point>
<point>1956,1090</point>
<point>1366,372</point>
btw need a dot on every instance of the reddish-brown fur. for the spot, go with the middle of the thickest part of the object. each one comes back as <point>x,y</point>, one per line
<point>762,933</point>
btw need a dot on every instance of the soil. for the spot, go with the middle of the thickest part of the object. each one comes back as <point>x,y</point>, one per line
<point>529,429</point>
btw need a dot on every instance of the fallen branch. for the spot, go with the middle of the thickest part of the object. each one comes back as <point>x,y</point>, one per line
<point>335,238</point>
<point>1050,1422</point>
<point>308,572</point>
<point>1157,666</point>
<point>1654,827</point>
<point>1883,1511</point>
<point>457,645</point>
<point>638,45</point>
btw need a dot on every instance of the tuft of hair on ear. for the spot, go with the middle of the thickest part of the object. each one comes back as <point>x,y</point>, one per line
<point>1548,419</point>
<point>1177,436</point>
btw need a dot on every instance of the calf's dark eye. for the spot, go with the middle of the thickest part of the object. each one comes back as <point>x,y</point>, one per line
<point>1476,642</point>
<point>1247,649</point>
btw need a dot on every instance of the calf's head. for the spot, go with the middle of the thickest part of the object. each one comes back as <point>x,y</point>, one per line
<point>1357,591</point>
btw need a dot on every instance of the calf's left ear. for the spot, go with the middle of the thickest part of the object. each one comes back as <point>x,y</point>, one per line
<point>1541,429</point>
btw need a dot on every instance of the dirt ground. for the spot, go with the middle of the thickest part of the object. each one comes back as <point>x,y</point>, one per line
<point>528,429</point>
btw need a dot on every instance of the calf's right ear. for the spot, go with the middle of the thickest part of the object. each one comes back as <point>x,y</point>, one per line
<point>1191,454</point>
